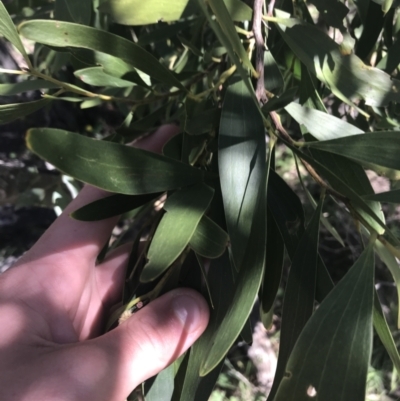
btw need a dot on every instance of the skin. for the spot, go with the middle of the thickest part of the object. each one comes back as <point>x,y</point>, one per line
<point>53,304</point>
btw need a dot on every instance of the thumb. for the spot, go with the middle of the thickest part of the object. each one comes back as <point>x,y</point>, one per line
<point>149,340</point>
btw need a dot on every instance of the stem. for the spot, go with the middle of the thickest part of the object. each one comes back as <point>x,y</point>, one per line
<point>260,46</point>
<point>15,72</point>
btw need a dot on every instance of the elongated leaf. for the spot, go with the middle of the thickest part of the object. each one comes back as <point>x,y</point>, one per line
<point>392,58</point>
<point>272,75</point>
<point>332,11</point>
<point>97,77</point>
<point>184,210</point>
<point>113,66</point>
<point>238,10</point>
<point>25,86</point>
<point>8,30</point>
<point>332,354</point>
<point>161,387</point>
<point>381,148</point>
<point>389,197</point>
<point>148,12</point>
<point>209,239</point>
<point>245,291</point>
<point>13,111</point>
<point>110,166</point>
<point>298,303</point>
<point>65,34</point>
<point>346,75</point>
<point>224,19</point>
<point>273,266</point>
<point>321,125</point>
<point>222,291</point>
<point>242,164</point>
<point>110,206</point>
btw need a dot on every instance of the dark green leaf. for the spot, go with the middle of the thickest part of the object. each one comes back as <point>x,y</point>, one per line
<point>298,303</point>
<point>184,210</point>
<point>65,34</point>
<point>346,75</point>
<point>392,58</point>
<point>8,30</point>
<point>380,148</point>
<point>25,86</point>
<point>273,265</point>
<point>110,206</point>
<point>332,354</point>
<point>238,10</point>
<point>148,12</point>
<point>279,102</point>
<point>13,111</point>
<point>110,166</point>
<point>332,11</point>
<point>246,288</point>
<point>272,75</point>
<point>209,239</point>
<point>389,197</point>
<point>161,386</point>
<point>242,166</point>
<point>97,77</point>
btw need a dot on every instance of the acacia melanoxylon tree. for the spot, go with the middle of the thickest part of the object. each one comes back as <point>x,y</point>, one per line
<point>235,76</point>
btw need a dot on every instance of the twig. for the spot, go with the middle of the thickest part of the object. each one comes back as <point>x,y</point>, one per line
<point>260,46</point>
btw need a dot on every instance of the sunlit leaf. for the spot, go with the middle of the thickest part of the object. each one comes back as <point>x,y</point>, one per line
<point>321,125</point>
<point>65,34</point>
<point>110,166</point>
<point>8,30</point>
<point>242,166</point>
<point>346,75</point>
<point>146,12</point>
<point>184,210</point>
<point>298,303</point>
<point>331,356</point>
<point>13,111</point>
<point>381,148</point>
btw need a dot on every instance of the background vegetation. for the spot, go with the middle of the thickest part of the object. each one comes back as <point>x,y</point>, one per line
<point>281,188</point>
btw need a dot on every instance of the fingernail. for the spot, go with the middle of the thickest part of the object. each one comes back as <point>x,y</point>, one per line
<point>187,310</point>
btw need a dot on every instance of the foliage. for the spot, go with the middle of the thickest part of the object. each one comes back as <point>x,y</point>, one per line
<point>232,74</point>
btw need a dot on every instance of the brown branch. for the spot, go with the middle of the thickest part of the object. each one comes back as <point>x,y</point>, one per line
<point>260,46</point>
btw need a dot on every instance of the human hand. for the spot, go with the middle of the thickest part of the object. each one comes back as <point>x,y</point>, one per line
<point>52,308</point>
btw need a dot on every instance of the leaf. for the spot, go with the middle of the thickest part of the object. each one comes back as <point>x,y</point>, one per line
<point>110,166</point>
<point>380,148</point>
<point>209,240</point>
<point>224,19</point>
<point>13,111</point>
<point>298,303</point>
<point>321,125</point>
<point>112,65</point>
<point>246,288</point>
<point>392,58</point>
<point>184,210</point>
<point>66,34</point>
<point>97,77</point>
<point>111,206</point>
<point>25,86</point>
<point>146,12</point>
<point>332,353</point>
<point>273,265</point>
<point>8,30</point>
<point>345,75</point>
<point>389,197</point>
<point>279,102</point>
<point>238,10</point>
<point>272,75</point>
<point>242,166</point>
<point>222,291</point>
<point>161,386</point>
